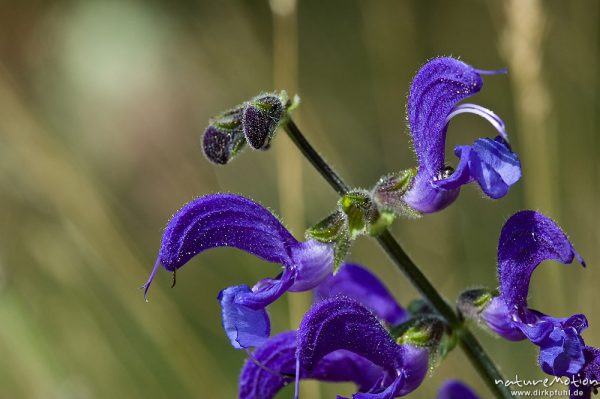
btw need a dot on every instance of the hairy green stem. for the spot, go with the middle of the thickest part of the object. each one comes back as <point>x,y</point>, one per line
<point>480,360</point>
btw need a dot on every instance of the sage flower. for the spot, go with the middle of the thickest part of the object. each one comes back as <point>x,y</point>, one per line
<point>341,338</point>
<point>432,102</point>
<point>527,239</point>
<point>342,323</point>
<point>229,220</point>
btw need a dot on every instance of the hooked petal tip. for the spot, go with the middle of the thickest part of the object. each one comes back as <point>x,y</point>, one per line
<point>146,286</point>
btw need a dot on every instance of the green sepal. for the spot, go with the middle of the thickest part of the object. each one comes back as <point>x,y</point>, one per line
<point>389,191</point>
<point>230,120</point>
<point>471,303</point>
<point>290,104</point>
<point>359,211</point>
<point>382,222</point>
<point>328,229</point>
<point>340,251</point>
<point>425,331</point>
<point>447,344</point>
<point>333,229</point>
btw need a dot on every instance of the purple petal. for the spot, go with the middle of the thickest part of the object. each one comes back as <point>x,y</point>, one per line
<point>343,323</point>
<point>415,368</point>
<point>564,357</point>
<point>277,355</point>
<point>494,166</point>
<point>560,342</point>
<point>356,282</point>
<point>224,220</point>
<point>273,366</point>
<point>489,162</point>
<point>406,380</point>
<point>228,220</point>
<point>527,239</point>
<point>562,348</point>
<point>454,389</point>
<point>388,392</point>
<point>500,320</point>
<point>436,89</point>
<point>313,263</point>
<point>426,196</point>
<point>589,376</point>
<point>266,291</point>
<point>245,327</point>
<point>344,365</point>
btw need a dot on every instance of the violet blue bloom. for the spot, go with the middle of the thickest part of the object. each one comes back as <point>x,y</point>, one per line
<point>432,103</point>
<point>454,389</point>
<point>273,365</point>
<point>527,239</point>
<point>342,323</point>
<point>228,220</point>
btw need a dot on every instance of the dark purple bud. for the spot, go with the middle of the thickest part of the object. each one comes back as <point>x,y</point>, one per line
<point>261,119</point>
<point>224,137</point>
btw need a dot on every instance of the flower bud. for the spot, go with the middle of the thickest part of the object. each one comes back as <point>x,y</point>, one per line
<point>224,137</point>
<point>261,119</point>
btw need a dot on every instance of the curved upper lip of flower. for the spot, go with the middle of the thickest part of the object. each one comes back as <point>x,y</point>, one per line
<point>433,101</point>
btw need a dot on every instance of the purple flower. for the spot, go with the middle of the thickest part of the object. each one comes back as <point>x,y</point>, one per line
<point>342,323</point>
<point>341,340</point>
<point>454,389</point>
<point>527,239</point>
<point>228,220</point>
<point>435,92</point>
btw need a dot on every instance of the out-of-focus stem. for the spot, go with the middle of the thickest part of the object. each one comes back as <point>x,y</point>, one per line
<point>480,360</point>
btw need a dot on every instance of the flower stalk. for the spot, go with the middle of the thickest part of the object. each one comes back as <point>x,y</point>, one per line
<point>476,354</point>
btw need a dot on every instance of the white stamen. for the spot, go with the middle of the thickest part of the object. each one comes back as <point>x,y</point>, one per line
<point>485,113</point>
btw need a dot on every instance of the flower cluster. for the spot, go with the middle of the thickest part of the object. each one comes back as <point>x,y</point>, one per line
<point>228,220</point>
<point>355,331</point>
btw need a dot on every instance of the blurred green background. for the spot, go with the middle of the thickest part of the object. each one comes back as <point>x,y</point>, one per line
<point>102,104</point>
